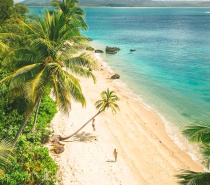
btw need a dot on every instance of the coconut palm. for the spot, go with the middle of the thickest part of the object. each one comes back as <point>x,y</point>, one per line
<point>74,14</point>
<point>194,178</point>
<point>199,133</point>
<point>6,154</point>
<point>108,101</point>
<point>43,65</point>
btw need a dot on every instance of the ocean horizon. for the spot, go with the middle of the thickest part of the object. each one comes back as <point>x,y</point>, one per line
<point>169,71</point>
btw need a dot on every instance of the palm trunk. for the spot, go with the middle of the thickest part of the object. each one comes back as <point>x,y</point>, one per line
<point>67,137</point>
<point>35,117</point>
<point>27,116</point>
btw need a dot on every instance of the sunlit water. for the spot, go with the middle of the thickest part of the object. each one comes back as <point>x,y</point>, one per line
<point>170,69</point>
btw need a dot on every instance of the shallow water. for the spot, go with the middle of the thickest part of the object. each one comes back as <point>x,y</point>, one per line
<point>170,69</point>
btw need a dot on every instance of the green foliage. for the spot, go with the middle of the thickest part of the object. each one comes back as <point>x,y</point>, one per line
<point>199,133</point>
<point>6,154</point>
<point>15,27</point>
<point>108,101</point>
<point>8,11</point>
<point>5,5</point>
<point>32,164</point>
<point>18,12</point>
<point>74,15</point>
<point>193,178</point>
<point>32,67</point>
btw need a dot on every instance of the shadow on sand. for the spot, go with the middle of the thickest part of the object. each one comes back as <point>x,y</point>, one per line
<point>83,137</point>
<point>110,161</point>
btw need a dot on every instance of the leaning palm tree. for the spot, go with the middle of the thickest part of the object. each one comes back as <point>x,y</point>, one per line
<point>43,65</point>
<point>201,134</point>
<point>108,101</point>
<point>6,154</point>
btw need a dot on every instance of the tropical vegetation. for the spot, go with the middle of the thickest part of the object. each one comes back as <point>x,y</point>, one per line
<point>200,134</point>
<point>6,154</point>
<point>39,56</point>
<point>108,101</point>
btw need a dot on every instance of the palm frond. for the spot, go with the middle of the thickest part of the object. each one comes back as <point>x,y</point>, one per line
<point>206,156</point>
<point>193,178</point>
<point>82,60</point>
<point>65,87</point>
<point>108,101</point>
<point>82,71</point>
<point>6,154</point>
<point>198,133</point>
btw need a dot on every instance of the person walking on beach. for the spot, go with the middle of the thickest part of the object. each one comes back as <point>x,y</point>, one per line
<point>115,154</point>
<point>93,124</point>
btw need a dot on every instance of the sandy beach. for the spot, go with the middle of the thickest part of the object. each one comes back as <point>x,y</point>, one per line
<point>146,154</point>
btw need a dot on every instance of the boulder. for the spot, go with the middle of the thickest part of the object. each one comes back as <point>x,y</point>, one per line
<point>132,50</point>
<point>116,76</point>
<point>45,139</point>
<point>99,51</point>
<point>55,139</point>
<point>90,49</point>
<point>58,149</point>
<point>111,50</point>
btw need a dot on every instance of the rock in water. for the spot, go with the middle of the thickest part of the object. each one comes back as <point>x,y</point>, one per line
<point>99,51</point>
<point>111,50</point>
<point>116,76</point>
<point>132,50</point>
<point>58,149</point>
<point>89,39</point>
<point>90,49</point>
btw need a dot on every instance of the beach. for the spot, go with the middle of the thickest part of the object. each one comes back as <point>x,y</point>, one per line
<point>146,154</point>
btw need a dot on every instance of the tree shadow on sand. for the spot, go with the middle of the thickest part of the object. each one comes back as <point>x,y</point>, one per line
<point>83,137</point>
<point>110,161</point>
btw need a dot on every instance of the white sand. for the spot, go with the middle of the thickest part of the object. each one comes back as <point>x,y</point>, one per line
<point>146,155</point>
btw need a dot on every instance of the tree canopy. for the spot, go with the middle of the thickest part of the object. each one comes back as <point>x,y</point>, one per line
<point>4,7</point>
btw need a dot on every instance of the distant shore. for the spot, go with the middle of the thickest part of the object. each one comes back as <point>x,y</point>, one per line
<point>92,6</point>
<point>146,154</point>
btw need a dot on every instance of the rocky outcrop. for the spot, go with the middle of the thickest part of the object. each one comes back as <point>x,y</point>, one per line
<point>132,50</point>
<point>99,51</point>
<point>116,76</point>
<point>89,39</point>
<point>90,49</point>
<point>58,149</point>
<point>45,139</point>
<point>111,50</point>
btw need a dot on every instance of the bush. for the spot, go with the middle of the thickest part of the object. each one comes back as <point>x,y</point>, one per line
<point>32,163</point>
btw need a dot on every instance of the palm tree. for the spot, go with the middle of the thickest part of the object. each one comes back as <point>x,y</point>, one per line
<point>199,133</point>
<point>6,153</point>
<point>43,64</point>
<point>74,15</point>
<point>194,178</point>
<point>108,102</point>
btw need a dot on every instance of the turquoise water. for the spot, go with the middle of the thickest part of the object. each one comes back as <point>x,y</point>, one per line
<point>170,69</point>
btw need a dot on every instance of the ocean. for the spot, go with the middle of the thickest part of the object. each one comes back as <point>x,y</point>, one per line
<point>170,69</point>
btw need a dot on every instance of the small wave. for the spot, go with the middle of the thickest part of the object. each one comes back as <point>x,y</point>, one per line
<point>207,12</point>
<point>172,131</point>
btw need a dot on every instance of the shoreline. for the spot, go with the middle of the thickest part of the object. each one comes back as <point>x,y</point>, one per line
<point>147,155</point>
<point>172,131</point>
